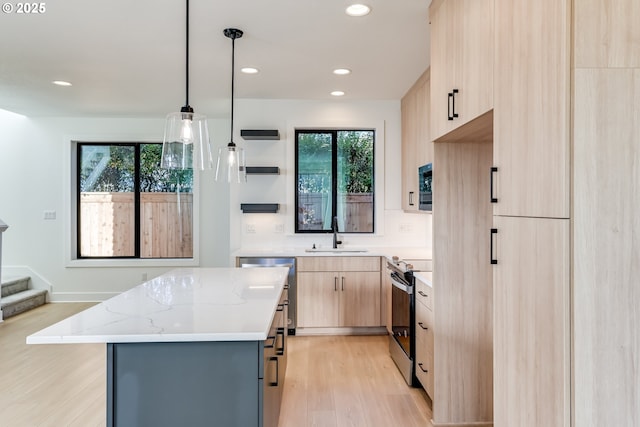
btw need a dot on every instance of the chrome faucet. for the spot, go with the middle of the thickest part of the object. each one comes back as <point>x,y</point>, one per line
<point>334,228</point>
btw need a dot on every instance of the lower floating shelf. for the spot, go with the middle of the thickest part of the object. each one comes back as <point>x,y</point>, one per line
<point>259,207</point>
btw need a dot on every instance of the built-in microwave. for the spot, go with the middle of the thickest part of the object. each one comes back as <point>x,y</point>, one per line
<point>425,173</point>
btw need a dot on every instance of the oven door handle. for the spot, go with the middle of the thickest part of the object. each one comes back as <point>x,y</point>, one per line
<point>401,285</point>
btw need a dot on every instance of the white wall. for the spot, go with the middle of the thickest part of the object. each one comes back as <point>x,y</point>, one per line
<point>35,172</point>
<point>393,227</point>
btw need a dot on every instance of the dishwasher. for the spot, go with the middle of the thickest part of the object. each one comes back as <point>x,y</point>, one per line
<point>249,262</point>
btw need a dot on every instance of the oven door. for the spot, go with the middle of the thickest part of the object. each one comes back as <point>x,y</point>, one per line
<point>402,313</point>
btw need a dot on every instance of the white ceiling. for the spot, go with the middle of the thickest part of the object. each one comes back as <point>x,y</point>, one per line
<point>127,57</point>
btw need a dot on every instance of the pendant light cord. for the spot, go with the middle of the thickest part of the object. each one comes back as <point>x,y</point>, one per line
<point>233,67</point>
<point>186,103</point>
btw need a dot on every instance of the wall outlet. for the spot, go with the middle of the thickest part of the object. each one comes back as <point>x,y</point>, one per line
<point>278,228</point>
<point>144,277</point>
<point>250,229</point>
<point>49,215</point>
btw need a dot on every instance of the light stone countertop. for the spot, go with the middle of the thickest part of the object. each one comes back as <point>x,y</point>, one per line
<point>189,304</point>
<point>406,253</point>
<point>425,277</point>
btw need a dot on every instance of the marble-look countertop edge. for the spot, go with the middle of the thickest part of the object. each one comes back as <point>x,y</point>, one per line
<point>123,339</point>
<point>177,307</point>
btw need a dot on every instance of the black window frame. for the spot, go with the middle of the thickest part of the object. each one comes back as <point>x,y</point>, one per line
<point>334,177</point>
<point>137,190</point>
<point>136,197</point>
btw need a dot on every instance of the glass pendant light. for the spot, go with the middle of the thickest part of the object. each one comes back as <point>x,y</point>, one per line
<point>230,165</point>
<point>186,135</point>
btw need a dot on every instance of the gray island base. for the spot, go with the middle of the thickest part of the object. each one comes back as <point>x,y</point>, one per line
<point>224,384</point>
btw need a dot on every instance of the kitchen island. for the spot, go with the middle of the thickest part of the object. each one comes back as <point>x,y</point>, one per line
<point>196,347</point>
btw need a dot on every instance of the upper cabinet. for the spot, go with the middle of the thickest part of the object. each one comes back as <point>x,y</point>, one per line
<point>607,34</point>
<point>417,148</point>
<point>532,108</point>
<point>461,64</point>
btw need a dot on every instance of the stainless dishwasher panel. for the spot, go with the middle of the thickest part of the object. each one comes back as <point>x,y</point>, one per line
<point>247,262</point>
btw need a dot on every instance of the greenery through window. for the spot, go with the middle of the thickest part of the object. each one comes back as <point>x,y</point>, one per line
<point>335,178</point>
<point>128,206</point>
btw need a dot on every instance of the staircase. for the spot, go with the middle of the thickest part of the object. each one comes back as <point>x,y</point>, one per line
<point>18,297</point>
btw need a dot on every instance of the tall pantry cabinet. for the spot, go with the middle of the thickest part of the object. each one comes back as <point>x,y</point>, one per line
<point>606,214</point>
<point>531,208</point>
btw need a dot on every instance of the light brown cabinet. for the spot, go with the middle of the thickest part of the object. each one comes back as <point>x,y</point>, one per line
<point>417,148</point>
<point>462,280</point>
<point>607,34</point>
<point>461,64</point>
<point>531,194</point>
<point>385,296</point>
<point>606,271</point>
<point>329,297</point>
<point>424,336</point>
<point>531,322</point>
<point>531,116</point>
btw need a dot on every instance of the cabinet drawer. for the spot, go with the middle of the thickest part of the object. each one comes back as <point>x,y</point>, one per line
<point>424,294</point>
<point>424,347</point>
<point>339,263</point>
<point>424,323</point>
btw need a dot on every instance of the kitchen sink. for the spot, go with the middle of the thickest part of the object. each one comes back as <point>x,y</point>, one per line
<point>337,251</point>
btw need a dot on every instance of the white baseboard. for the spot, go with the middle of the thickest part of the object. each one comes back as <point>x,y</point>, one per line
<point>37,281</point>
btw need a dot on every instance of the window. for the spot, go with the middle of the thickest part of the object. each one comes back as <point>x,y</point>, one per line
<point>334,177</point>
<point>129,207</point>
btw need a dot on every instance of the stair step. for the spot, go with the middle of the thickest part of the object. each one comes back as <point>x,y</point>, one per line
<point>13,285</point>
<point>22,301</point>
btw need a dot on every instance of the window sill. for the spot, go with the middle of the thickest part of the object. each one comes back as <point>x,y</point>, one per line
<point>108,263</point>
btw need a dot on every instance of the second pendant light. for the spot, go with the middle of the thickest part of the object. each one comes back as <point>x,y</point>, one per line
<point>231,163</point>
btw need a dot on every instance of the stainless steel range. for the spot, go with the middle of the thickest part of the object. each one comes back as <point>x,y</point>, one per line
<point>402,340</point>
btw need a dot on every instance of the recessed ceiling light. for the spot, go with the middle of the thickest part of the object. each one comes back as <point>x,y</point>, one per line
<point>358,10</point>
<point>337,93</point>
<point>61,83</point>
<point>342,71</point>
<point>249,70</point>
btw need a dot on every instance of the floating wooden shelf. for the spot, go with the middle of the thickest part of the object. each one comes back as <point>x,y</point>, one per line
<point>259,207</point>
<point>263,170</point>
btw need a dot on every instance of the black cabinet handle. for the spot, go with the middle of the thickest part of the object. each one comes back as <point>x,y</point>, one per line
<point>273,341</point>
<point>410,198</point>
<point>451,104</point>
<point>335,284</point>
<point>343,283</point>
<point>422,326</point>
<point>493,260</point>
<point>422,369</point>
<point>493,199</point>
<point>275,359</point>
<point>422,294</point>
<point>280,348</point>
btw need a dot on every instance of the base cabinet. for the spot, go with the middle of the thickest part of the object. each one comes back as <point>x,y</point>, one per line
<point>424,337</point>
<point>329,298</point>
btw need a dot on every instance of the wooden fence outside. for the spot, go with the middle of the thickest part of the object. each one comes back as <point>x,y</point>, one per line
<point>108,225</point>
<point>358,211</point>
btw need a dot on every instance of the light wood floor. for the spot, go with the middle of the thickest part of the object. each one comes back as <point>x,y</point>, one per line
<point>331,381</point>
